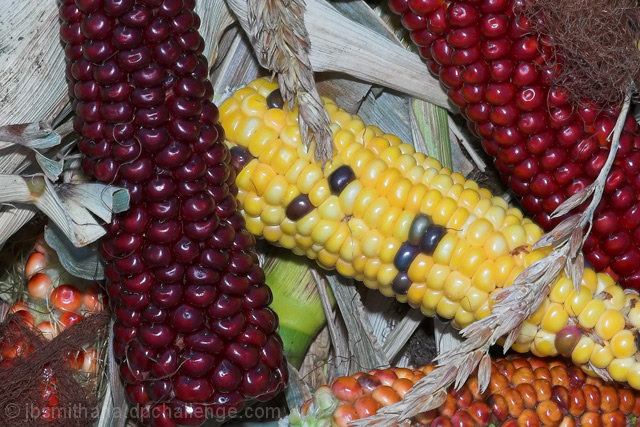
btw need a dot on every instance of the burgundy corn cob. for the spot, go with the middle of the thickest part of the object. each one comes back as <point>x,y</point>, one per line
<point>493,67</point>
<point>193,333</point>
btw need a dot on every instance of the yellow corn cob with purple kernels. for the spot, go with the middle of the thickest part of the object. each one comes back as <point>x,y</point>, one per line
<point>395,219</point>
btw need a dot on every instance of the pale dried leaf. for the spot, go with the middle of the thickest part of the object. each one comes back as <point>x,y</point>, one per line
<point>339,44</point>
<point>118,395</point>
<point>532,273</point>
<point>511,338</point>
<point>297,392</point>
<point>84,262</point>
<point>215,18</point>
<point>573,202</point>
<point>577,268</point>
<point>400,335</point>
<point>484,373</point>
<point>12,218</point>
<point>560,232</point>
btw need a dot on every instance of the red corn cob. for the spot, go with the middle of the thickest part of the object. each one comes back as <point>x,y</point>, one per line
<point>193,332</point>
<point>493,67</point>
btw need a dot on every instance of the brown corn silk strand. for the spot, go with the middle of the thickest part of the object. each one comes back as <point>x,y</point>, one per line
<point>595,40</point>
<point>24,377</point>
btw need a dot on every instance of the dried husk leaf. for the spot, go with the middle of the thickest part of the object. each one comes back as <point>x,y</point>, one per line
<point>340,44</point>
<point>215,18</point>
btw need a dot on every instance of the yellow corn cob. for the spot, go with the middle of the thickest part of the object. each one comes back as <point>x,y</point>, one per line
<point>401,223</point>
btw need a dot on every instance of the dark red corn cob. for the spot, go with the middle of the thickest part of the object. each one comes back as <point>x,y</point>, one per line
<point>193,332</point>
<point>494,68</point>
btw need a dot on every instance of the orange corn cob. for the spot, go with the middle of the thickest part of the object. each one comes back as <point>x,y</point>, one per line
<point>523,391</point>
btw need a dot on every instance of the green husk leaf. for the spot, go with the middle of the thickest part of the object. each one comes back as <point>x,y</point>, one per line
<point>431,126</point>
<point>84,262</point>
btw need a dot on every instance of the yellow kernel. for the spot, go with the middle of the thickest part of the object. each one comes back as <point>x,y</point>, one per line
<point>371,268</point>
<point>323,230</point>
<point>582,351</point>
<point>444,250</point>
<point>601,356</point>
<point>341,117</point>
<point>398,195</point>
<point>481,210</point>
<point>344,268</point>
<point>471,259</point>
<point>363,201</point>
<point>254,225</point>
<point>610,323</point>
<point>319,193</point>
<point>288,227</point>
<point>403,225</point>
<point>275,118</point>
<point>514,273</point>
<point>415,174</point>
<point>458,219</point>
<point>538,315</point>
<point>391,154</point>
<point>455,191</point>
<point>496,245</point>
<point>355,125</point>
<point>444,211</point>
<point>515,236</point>
<point>350,250</point>
<point>590,280</point>
<point>406,162</point>
<point>377,144</point>
<point>386,274</point>
<point>416,293</point>
<point>330,209</point>
<point>437,276</point>
<point>473,299</point>
<point>291,193</point>
<point>262,139</point>
<point>533,232</point>
<point>513,220</point>
<point>326,259</point>
<point>484,310</point>
<point>350,194</point>
<point>307,223</point>
<point>591,313</point>
<point>469,198</point>
<point>372,172</point>
<point>287,242</point>
<point>272,215</point>
<point>447,308</point>
<point>303,242</point>
<point>634,315</point>
<point>372,243</point>
<point>633,376</point>
<point>389,249</point>
<point>261,177</point>
<point>358,228</point>
<point>431,298</point>
<point>336,240</point>
<point>555,319</point>
<point>388,220</point>
<point>245,131</point>
<point>309,176</point>
<point>295,170</point>
<point>290,134</point>
<point>420,267</point>
<point>442,183</point>
<point>275,191</point>
<point>284,159</point>
<point>462,318</point>
<point>456,286</point>
<point>272,233</point>
<point>430,202</point>
<point>619,368</point>
<point>561,290</point>
<point>253,205</point>
<point>414,199</point>
<point>615,297</point>
<point>623,344</point>
<point>499,201</point>
<point>504,265</point>
<point>495,215</point>
<point>374,214</point>
<point>527,333</point>
<point>387,181</point>
<point>478,232</point>
<point>343,139</point>
<point>544,344</point>
<point>520,347</point>
<point>603,281</point>
<point>577,301</point>
<point>360,159</point>
<point>432,163</point>
<point>484,277</point>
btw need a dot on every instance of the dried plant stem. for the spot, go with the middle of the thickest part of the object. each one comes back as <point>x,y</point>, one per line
<point>512,307</point>
<point>281,42</point>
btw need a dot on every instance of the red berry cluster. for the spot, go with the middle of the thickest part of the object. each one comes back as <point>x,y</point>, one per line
<point>193,332</point>
<point>495,68</point>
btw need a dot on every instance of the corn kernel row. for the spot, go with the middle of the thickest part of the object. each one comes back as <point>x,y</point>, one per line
<point>401,223</point>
